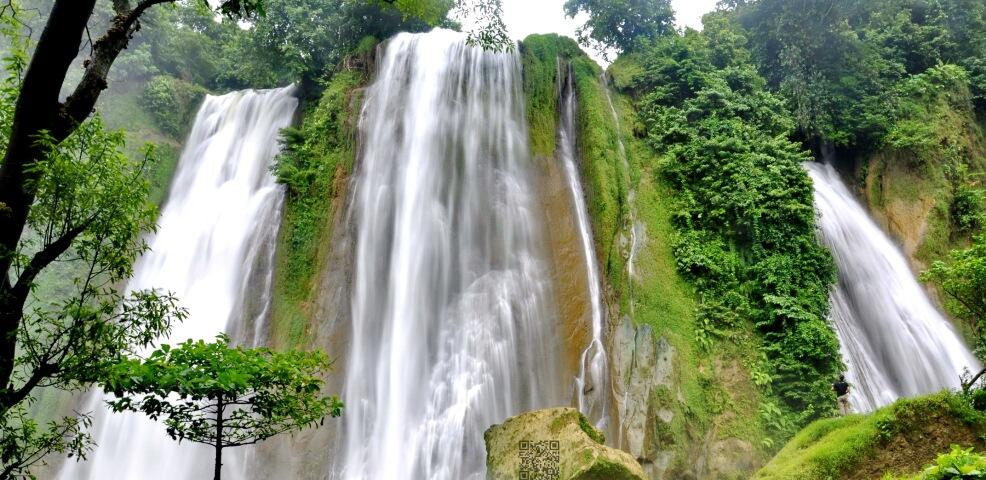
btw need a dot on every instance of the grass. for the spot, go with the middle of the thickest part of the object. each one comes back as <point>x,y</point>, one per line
<point>846,446</point>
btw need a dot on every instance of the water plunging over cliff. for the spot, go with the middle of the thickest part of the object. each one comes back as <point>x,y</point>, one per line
<point>452,325</point>
<point>592,384</point>
<point>220,220</point>
<point>894,341</point>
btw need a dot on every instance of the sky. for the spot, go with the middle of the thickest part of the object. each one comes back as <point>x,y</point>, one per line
<point>524,17</point>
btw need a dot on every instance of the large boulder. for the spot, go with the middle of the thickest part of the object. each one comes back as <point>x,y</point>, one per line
<point>554,444</point>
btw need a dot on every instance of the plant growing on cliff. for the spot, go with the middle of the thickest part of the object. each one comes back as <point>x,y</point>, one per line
<point>745,221</point>
<point>963,280</point>
<point>221,396</point>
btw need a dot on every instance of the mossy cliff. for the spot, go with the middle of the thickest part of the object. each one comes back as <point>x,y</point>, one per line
<point>315,167</point>
<point>682,410</point>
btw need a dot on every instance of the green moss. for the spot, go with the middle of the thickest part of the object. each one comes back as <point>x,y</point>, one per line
<point>589,430</point>
<point>539,56</point>
<point>605,177</point>
<point>319,157</point>
<point>604,470</point>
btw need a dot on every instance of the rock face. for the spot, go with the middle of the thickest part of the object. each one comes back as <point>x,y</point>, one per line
<point>644,370</point>
<point>554,444</point>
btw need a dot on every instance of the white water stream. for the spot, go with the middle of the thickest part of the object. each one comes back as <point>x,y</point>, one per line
<point>452,326</point>
<point>592,385</point>
<point>894,342</point>
<point>219,221</point>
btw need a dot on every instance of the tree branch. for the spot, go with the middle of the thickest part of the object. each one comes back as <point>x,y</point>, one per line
<point>13,396</point>
<point>80,103</point>
<point>44,258</point>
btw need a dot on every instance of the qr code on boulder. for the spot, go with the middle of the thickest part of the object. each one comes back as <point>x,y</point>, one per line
<point>539,460</point>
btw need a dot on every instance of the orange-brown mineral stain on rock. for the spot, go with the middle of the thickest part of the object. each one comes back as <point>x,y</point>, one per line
<point>568,265</point>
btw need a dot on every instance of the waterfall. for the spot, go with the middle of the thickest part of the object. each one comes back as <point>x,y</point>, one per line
<point>636,234</point>
<point>636,228</point>
<point>452,326</point>
<point>219,221</point>
<point>592,384</point>
<point>893,340</point>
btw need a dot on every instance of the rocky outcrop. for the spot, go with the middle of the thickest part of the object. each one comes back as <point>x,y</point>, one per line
<point>644,369</point>
<point>556,443</point>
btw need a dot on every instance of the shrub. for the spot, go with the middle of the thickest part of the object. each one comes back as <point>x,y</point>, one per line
<point>172,103</point>
<point>960,463</point>
<point>967,208</point>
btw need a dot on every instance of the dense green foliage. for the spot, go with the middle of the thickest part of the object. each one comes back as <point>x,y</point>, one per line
<point>832,448</point>
<point>837,63</point>
<point>172,103</point>
<point>620,24</point>
<point>899,79</point>
<point>308,39</point>
<point>959,463</point>
<point>745,221</point>
<point>221,396</point>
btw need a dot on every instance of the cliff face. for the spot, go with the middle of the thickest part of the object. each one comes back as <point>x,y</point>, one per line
<point>683,411</point>
<point>913,190</point>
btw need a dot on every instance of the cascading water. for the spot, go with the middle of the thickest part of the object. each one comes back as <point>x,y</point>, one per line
<point>636,233</point>
<point>452,329</point>
<point>222,213</point>
<point>592,384</point>
<point>894,341</point>
<point>635,226</point>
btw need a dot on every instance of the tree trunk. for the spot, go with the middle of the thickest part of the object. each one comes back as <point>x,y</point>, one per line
<point>37,109</point>
<point>219,439</point>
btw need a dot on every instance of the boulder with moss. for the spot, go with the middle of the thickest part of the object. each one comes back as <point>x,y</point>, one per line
<point>557,443</point>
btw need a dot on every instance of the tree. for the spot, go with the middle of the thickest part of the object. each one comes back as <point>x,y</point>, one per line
<point>68,194</point>
<point>90,210</point>
<point>38,126</point>
<point>221,396</point>
<point>620,24</point>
